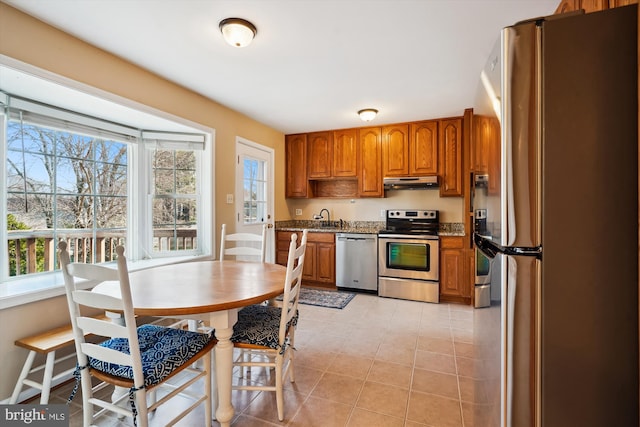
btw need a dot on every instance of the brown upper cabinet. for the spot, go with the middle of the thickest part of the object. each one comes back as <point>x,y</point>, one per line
<point>423,148</point>
<point>345,153</point>
<point>395,150</point>
<point>618,3</point>
<point>332,154</point>
<point>369,158</point>
<point>486,150</point>
<point>591,5</point>
<point>450,157</point>
<point>348,163</point>
<point>410,149</point>
<point>296,184</point>
<point>319,155</point>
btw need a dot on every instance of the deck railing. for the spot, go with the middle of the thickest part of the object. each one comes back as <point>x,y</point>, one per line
<point>33,251</point>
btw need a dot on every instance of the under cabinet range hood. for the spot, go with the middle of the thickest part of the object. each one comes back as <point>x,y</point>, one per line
<point>410,183</point>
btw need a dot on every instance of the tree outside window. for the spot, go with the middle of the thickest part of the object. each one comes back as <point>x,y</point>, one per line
<point>174,203</point>
<point>63,183</point>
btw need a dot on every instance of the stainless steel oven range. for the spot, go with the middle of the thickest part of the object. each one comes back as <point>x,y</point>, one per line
<point>408,256</point>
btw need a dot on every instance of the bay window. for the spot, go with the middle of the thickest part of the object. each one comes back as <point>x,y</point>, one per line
<point>96,184</point>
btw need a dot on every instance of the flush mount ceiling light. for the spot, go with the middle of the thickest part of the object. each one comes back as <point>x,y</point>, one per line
<point>367,114</point>
<point>237,32</point>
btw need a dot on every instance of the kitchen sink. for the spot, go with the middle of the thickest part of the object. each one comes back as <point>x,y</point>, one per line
<point>338,225</point>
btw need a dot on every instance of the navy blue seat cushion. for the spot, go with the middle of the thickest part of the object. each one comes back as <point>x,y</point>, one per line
<point>163,350</point>
<point>259,325</point>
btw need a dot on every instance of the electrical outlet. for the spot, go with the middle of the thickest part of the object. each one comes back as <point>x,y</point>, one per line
<point>383,213</point>
<point>229,199</point>
<point>298,212</point>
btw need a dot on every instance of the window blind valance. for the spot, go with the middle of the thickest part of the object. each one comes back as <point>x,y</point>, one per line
<point>40,114</point>
<point>173,140</point>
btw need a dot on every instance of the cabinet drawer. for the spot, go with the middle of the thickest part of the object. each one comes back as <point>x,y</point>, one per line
<point>283,238</point>
<point>321,237</point>
<point>449,242</point>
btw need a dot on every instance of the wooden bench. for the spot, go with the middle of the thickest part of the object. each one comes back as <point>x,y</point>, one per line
<point>47,343</point>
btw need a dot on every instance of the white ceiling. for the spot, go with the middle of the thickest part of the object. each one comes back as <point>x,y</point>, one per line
<point>314,63</point>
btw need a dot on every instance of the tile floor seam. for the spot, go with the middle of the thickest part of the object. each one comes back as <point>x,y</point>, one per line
<point>455,361</point>
<point>355,404</point>
<point>413,369</point>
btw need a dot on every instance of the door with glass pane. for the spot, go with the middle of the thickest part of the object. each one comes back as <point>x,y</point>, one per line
<point>254,190</point>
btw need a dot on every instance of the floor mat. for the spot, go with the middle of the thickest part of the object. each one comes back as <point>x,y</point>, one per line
<point>321,298</point>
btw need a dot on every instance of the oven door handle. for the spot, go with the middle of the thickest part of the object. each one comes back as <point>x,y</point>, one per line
<point>486,246</point>
<point>408,236</point>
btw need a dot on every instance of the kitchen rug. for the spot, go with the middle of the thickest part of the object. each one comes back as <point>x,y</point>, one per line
<point>320,298</point>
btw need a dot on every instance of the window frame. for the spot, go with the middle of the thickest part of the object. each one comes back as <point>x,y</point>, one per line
<point>29,288</point>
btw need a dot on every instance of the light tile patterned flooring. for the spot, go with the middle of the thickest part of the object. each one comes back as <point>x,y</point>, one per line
<point>377,362</point>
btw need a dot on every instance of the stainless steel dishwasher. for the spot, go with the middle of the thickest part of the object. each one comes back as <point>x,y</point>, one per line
<point>357,261</point>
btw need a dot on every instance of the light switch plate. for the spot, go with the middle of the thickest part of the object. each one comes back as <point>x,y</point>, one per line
<point>298,212</point>
<point>229,199</point>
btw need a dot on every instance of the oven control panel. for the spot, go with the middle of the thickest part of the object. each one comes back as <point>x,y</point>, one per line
<point>408,214</point>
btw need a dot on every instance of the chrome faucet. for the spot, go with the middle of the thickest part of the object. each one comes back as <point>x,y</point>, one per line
<point>320,216</point>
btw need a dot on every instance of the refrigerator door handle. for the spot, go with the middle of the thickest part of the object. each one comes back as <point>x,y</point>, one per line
<point>491,249</point>
<point>520,251</point>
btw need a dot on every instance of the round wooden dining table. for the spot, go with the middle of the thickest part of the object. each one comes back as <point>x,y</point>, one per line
<point>212,291</point>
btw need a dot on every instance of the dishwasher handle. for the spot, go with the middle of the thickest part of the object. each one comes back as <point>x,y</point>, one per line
<point>354,238</point>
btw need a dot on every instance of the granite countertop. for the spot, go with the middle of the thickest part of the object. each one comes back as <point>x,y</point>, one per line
<point>314,226</point>
<point>362,227</point>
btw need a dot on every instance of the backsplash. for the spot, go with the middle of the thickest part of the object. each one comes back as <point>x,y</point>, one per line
<point>368,226</point>
<point>446,228</point>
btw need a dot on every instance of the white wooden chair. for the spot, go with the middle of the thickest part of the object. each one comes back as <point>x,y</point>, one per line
<point>267,330</point>
<point>245,246</point>
<point>140,359</point>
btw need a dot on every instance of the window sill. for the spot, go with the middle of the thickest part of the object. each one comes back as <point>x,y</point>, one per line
<point>32,289</point>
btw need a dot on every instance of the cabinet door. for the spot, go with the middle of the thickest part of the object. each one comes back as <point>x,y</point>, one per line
<point>568,6</point>
<point>296,163</point>
<point>482,137</point>
<point>594,5</point>
<point>454,270</point>
<point>493,156</point>
<point>423,148</point>
<point>283,239</point>
<point>310,262</point>
<point>319,154</point>
<point>618,3</point>
<point>395,150</point>
<point>369,159</point>
<point>326,263</point>
<point>450,136</point>
<point>345,153</point>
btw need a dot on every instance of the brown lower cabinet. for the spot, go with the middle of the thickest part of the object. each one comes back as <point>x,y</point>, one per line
<point>454,270</point>
<point>319,260</point>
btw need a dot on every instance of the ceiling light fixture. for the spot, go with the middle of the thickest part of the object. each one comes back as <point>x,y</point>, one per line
<point>367,114</point>
<point>237,32</point>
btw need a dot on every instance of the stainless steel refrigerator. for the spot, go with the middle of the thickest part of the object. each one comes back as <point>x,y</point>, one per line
<point>562,221</point>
